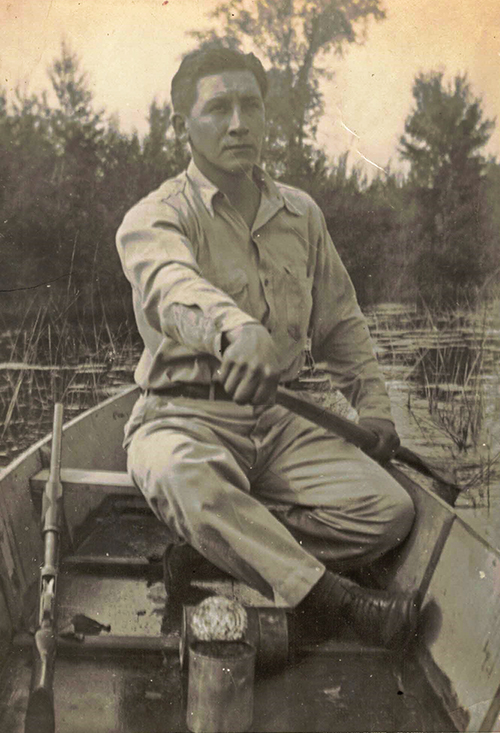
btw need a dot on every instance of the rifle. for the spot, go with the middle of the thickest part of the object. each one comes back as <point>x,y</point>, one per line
<point>40,715</point>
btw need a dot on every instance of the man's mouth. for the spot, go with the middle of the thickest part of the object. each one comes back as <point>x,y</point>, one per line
<point>237,148</point>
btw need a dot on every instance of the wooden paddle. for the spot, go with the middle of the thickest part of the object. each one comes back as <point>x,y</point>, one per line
<point>365,439</point>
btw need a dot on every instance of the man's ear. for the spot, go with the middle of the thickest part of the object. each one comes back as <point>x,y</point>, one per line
<point>180,127</point>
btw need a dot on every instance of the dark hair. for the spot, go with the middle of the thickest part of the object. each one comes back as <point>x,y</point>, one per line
<point>208,61</point>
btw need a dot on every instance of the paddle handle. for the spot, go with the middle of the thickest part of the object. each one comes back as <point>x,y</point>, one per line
<point>362,437</point>
<point>52,497</point>
<point>365,439</point>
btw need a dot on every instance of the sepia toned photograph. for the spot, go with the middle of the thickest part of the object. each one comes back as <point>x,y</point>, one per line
<point>249,366</point>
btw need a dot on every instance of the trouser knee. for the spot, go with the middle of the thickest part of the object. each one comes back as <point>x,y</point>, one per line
<point>397,516</point>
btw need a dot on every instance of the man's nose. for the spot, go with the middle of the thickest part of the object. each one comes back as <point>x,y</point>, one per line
<point>237,124</point>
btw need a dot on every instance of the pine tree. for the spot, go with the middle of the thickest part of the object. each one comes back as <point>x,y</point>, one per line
<point>443,137</point>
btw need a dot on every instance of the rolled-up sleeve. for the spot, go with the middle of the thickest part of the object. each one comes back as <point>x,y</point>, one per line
<point>159,262</point>
<point>340,338</point>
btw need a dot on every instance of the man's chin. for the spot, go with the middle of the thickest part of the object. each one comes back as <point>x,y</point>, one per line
<point>234,168</point>
<point>241,167</point>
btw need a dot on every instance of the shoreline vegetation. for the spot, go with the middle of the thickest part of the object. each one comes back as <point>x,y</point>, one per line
<point>427,237</point>
<point>442,370</point>
<point>69,174</point>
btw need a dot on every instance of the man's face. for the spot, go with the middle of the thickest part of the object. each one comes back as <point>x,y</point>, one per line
<point>226,124</point>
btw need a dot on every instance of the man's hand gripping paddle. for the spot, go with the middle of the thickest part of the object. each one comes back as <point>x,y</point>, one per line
<point>364,439</point>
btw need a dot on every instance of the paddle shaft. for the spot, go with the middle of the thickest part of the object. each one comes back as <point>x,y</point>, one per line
<point>363,438</point>
<point>40,715</point>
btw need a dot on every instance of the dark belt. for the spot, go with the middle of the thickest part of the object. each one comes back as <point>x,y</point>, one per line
<point>197,391</point>
<point>191,390</point>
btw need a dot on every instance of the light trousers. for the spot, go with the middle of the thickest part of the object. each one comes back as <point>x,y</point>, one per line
<point>208,469</point>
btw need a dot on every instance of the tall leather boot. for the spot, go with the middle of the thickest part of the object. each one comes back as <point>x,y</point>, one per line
<point>379,617</point>
<point>181,564</point>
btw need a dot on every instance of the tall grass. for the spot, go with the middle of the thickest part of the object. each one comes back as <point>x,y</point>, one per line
<point>57,352</point>
<point>452,383</point>
<point>451,374</point>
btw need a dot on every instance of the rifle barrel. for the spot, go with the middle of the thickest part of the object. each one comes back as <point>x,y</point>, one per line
<point>40,713</point>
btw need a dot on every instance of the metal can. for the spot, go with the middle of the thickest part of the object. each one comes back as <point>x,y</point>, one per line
<point>267,631</point>
<point>220,686</point>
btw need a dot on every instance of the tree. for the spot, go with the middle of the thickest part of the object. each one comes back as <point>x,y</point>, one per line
<point>445,129</point>
<point>162,154</point>
<point>77,133</point>
<point>67,177</point>
<point>364,220</point>
<point>27,195</point>
<point>293,38</point>
<point>491,224</point>
<point>444,134</point>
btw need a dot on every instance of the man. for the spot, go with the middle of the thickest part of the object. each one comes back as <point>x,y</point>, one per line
<point>231,274</point>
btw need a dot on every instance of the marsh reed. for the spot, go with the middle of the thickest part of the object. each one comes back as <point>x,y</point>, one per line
<point>56,352</point>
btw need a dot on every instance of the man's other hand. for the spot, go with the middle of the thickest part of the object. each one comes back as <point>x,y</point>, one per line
<point>249,371</point>
<point>388,439</point>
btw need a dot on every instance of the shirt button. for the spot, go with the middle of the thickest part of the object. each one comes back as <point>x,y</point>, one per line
<point>266,281</point>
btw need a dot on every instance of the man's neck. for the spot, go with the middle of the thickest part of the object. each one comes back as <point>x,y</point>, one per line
<point>241,190</point>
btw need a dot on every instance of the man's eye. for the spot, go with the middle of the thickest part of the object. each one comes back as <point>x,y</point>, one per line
<point>252,104</point>
<point>218,107</point>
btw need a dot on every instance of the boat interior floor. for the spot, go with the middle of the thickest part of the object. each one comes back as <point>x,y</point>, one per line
<point>118,668</point>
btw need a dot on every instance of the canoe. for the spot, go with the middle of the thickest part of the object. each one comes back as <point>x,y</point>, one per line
<point>122,671</point>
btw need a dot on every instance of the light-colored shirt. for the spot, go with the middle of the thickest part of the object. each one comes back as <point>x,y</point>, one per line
<point>197,270</point>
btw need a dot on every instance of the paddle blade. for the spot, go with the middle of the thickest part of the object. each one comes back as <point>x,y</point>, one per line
<point>446,487</point>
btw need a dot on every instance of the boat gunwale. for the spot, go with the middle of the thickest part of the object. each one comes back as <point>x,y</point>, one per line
<point>43,442</point>
<point>401,476</point>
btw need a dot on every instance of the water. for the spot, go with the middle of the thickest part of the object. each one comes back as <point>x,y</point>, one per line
<point>442,373</point>
<point>443,378</point>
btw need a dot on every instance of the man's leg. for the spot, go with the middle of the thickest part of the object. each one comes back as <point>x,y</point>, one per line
<point>346,510</point>
<point>339,504</point>
<point>193,469</point>
<point>195,479</point>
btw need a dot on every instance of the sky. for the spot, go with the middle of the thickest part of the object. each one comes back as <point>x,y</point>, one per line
<point>131,49</point>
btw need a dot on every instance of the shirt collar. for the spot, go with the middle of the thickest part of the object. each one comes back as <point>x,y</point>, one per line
<point>277,195</point>
<point>207,190</point>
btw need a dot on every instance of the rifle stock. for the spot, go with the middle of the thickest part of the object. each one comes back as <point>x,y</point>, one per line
<point>40,716</point>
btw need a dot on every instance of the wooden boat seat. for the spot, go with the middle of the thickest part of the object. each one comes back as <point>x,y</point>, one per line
<point>109,482</point>
<point>84,492</point>
<point>117,483</point>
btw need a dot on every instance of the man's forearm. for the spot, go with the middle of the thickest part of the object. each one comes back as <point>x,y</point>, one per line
<point>175,298</point>
<point>348,356</point>
<point>189,325</point>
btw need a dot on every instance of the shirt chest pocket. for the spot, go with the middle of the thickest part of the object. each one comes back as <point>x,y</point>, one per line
<point>294,291</point>
<point>235,284</point>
